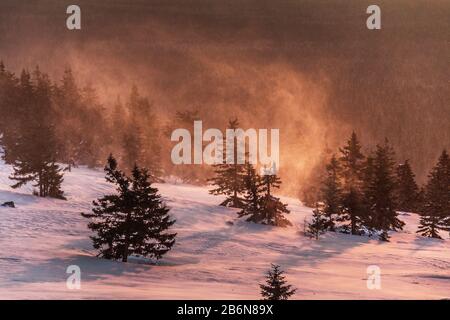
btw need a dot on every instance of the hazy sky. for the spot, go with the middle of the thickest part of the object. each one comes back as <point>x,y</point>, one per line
<point>310,68</point>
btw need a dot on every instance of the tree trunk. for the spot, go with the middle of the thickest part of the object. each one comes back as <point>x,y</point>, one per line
<point>353,222</point>
<point>125,252</point>
<point>127,242</point>
<point>40,184</point>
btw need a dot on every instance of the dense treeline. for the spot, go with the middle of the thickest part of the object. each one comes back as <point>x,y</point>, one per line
<point>362,194</point>
<point>47,127</point>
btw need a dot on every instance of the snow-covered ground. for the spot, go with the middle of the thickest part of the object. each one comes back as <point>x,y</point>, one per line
<point>215,257</point>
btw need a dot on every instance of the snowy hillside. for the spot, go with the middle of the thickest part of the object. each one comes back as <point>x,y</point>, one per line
<point>215,257</point>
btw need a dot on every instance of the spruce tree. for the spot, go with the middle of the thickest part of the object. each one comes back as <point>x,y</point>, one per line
<point>367,178</point>
<point>96,135</point>
<point>9,96</point>
<point>272,210</point>
<point>259,204</point>
<point>108,214</point>
<point>67,99</point>
<point>381,192</point>
<point>435,213</point>
<point>229,177</point>
<point>252,194</point>
<point>150,219</point>
<point>276,287</point>
<point>52,179</point>
<point>332,194</point>
<point>132,221</point>
<point>407,190</point>
<point>34,152</point>
<point>319,223</point>
<point>351,162</point>
<point>143,130</point>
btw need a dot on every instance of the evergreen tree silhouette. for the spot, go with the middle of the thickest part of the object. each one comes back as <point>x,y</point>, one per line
<point>33,152</point>
<point>352,164</point>
<point>228,178</point>
<point>381,192</point>
<point>252,194</point>
<point>272,209</point>
<point>319,223</point>
<point>132,221</point>
<point>407,189</point>
<point>276,287</point>
<point>435,213</point>
<point>332,194</point>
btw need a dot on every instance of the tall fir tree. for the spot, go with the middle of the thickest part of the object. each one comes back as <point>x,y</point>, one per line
<point>34,153</point>
<point>276,287</point>
<point>351,163</point>
<point>82,135</point>
<point>228,178</point>
<point>407,190</point>
<point>252,193</point>
<point>435,213</point>
<point>381,192</point>
<point>9,108</point>
<point>134,221</point>
<point>68,108</point>
<point>332,194</point>
<point>150,219</point>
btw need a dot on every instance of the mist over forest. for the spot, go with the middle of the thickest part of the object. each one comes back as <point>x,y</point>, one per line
<point>309,68</point>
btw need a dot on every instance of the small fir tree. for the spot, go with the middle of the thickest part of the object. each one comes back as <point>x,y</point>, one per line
<point>276,287</point>
<point>272,210</point>
<point>132,221</point>
<point>318,224</point>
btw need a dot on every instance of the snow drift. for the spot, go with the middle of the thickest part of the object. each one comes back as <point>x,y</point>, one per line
<point>216,255</point>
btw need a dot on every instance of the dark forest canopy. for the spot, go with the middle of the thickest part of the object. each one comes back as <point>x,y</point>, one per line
<point>310,68</point>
